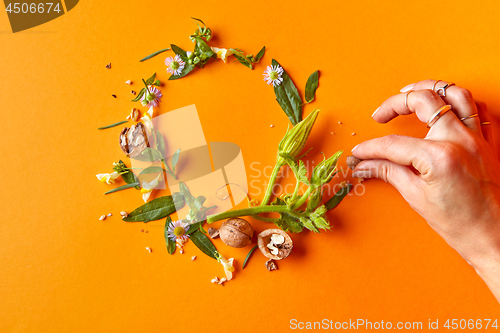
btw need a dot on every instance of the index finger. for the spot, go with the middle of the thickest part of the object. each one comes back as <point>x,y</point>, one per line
<point>403,150</point>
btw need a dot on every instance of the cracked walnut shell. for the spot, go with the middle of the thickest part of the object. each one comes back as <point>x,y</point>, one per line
<point>133,140</point>
<point>284,249</point>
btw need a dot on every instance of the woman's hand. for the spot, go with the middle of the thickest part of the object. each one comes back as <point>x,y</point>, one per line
<point>451,177</point>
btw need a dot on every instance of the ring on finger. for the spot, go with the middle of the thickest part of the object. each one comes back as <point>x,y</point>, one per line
<point>443,89</point>
<point>406,99</point>
<point>438,114</point>
<point>435,84</point>
<point>468,117</point>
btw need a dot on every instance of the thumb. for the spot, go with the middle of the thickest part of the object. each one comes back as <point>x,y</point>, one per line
<point>399,176</point>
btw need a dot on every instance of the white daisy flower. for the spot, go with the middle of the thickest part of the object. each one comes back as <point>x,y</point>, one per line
<point>174,65</point>
<point>152,97</point>
<point>178,230</point>
<point>272,74</point>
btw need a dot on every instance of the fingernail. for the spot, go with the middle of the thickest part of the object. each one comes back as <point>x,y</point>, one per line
<point>356,146</point>
<point>375,111</point>
<point>408,87</point>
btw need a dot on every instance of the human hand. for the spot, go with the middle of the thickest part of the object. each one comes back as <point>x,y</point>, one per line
<point>451,177</point>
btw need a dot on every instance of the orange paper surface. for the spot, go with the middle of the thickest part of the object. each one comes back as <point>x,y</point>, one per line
<point>63,270</point>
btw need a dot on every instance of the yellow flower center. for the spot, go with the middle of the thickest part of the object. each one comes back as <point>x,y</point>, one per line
<point>273,75</point>
<point>179,231</point>
<point>174,65</point>
<point>103,179</point>
<point>143,190</point>
<point>231,269</point>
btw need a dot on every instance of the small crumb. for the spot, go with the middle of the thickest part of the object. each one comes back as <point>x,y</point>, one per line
<point>181,251</point>
<point>135,114</point>
<point>340,123</point>
<point>360,180</point>
<point>142,230</point>
<point>215,280</point>
<point>108,66</point>
<point>114,95</point>
<point>128,117</point>
<point>109,215</point>
<point>123,214</point>
<point>146,231</point>
<point>353,133</point>
<point>213,233</point>
<point>133,92</point>
<point>332,133</point>
<point>343,184</point>
<point>222,280</point>
<point>271,126</point>
<point>128,82</point>
<point>149,249</point>
<point>103,217</point>
<point>193,258</point>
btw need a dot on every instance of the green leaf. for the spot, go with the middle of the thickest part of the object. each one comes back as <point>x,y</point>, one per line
<point>186,194</point>
<point>151,80</point>
<point>288,97</point>
<point>311,86</point>
<point>121,188</point>
<point>170,243</point>
<point>259,55</point>
<point>248,256</point>
<point>199,201</point>
<point>175,158</point>
<point>113,125</point>
<point>299,169</point>
<point>203,243</point>
<point>157,83</point>
<point>337,198</point>
<point>193,227</point>
<point>139,95</point>
<point>179,51</point>
<point>185,71</point>
<point>153,55</point>
<point>289,223</point>
<point>129,177</point>
<point>152,169</point>
<point>156,209</point>
<point>148,155</point>
<point>194,18</point>
<point>160,143</point>
<point>242,59</point>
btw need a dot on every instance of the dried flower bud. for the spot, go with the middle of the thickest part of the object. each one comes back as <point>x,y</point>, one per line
<point>295,139</point>
<point>133,140</point>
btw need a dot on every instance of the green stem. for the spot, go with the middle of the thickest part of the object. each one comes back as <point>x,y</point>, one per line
<point>296,190</point>
<point>265,219</point>
<point>253,211</point>
<point>272,180</point>
<point>169,171</point>
<point>147,89</point>
<point>303,199</point>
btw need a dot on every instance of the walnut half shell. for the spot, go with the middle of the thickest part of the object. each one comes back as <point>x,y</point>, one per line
<point>133,140</point>
<point>284,249</point>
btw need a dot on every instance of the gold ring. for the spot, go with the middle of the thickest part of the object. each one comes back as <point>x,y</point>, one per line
<point>438,114</point>
<point>468,117</point>
<point>443,89</point>
<point>406,99</point>
<point>486,123</point>
<point>434,86</point>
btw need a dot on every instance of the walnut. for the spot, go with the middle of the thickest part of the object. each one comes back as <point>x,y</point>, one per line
<point>133,140</point>
<point>271,265</point>
<point>275,244</point>
<point>352,161</point>
<point>236,232</point>
<point>135,114</point>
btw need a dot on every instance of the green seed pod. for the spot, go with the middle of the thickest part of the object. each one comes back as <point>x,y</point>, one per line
<point>324,171</point>
<point>295,139</point>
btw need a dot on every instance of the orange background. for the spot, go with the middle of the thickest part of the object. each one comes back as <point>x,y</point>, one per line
<point>63,270</point>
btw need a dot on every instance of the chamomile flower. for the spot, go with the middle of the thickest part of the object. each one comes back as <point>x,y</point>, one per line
<point>108,178</point>
<point>222,53</point>
<point>178,230</point>
<point>152,97</point>
<point>272,74</point>
<point>174,65</point>
<point>147,119</point>
<point>147,187</point>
